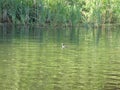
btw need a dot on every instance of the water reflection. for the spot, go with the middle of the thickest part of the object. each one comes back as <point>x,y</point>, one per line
<point>31,58</point>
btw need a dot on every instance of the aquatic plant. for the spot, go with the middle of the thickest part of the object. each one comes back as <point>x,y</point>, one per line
<point>59,12</point>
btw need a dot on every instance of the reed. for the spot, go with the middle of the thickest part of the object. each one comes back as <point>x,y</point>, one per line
<point>59,12</point>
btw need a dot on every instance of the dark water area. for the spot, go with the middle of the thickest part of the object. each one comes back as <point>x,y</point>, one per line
<point>32,58</point>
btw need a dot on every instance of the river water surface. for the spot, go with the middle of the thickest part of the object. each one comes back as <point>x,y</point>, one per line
<point>31,58</point>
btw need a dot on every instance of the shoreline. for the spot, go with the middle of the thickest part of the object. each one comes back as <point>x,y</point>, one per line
<point>61,25</point>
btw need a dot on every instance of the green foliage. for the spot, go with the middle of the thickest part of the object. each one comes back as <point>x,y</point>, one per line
<point>60,12</point>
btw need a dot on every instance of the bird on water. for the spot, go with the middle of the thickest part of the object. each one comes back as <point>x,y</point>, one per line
<point>63,46</point>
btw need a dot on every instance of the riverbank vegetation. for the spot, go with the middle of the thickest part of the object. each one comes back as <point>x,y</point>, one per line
<point>60,12</point>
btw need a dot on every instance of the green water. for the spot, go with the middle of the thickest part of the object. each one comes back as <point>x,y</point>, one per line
<point>31,58</point>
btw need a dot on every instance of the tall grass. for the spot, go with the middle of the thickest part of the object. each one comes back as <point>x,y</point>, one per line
<point>59,12</point>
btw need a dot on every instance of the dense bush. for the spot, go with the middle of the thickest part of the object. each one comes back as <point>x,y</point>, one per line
<point>57,12</point>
